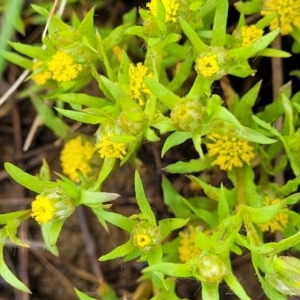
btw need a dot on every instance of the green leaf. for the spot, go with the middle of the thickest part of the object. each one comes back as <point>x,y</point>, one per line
<point>118,252</point>
<point>166,226</point>
<point>53,122</point>
<point>219,24</point>
<point>194,165</point>
<point>252,49</point>
<point>11,229</point>
<point>21,215</point>
<point>169,39</point>
<point>45,228</point>
<point>54,231</point>
<point>120,96</point>
<point>31,51</point>
<point>168,98</point>
<point>9,277</point>
<point>267,126</point>
<point>176,138</point>
<point>170,269</point>
<point>30,182</point>
<point>223,207</point>
<point>81,116</point>
<point>215,193</point>
<point>203,214</point>
<point>9,21</point>
<point>107,65</point>
<point>106,169</point>
<point>84,99</point>
<point>184,72</point>
<point>174,200</point>
<point>142,200</point>
<point>83,296</point>
<point>115,219</point>
<point>270,52</point>
<point>91,198</point>
<point>17,59</point>
<point>123,74</point>
<point>264,214</point>
<point>236,287</point>
<point>243,110</point>
<point>288,109</point>
<point>192,35</point>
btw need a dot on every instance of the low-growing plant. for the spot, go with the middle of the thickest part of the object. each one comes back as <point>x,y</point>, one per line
<point>167,90</point>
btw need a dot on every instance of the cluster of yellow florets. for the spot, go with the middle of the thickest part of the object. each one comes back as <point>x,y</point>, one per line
<point>77,154</point>
<point>231,151</point>
<point>171,9</point>
<point>138,89</point>
<point>61,68</point>
<point>288,14</point>
<point>250,34</point>
<point>42,77</point>
<point>207,65</point>
<point>187,248</point>
<point>111,149</point>
<point>279,222</point>
<point>43,209</point>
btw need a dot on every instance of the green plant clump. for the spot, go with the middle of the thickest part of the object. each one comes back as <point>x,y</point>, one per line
<point>167,92</point>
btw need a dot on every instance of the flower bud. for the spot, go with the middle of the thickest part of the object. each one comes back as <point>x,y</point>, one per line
<point>284,275</point>
<point>188,115</point>
<point>145,237</point>
<point>210,267</point>
<point>134,121</point>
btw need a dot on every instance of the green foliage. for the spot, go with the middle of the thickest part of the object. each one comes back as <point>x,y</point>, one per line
<point>169,90</point>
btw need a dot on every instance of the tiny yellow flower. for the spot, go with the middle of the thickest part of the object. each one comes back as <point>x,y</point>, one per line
<point>231,151</point>
<point>207,65</point>
<point>138,89</point>
<point>279,222</point>
<point>42,77</point>
<point>288,14</point>
<point>63,67</point>
<point>187,248</point>
<point>111,149</point>
<point>43,209</point>
<point>171,9</point>
<point>145,237</point>
<point>142,240</point>
<point>250,34</point>
<point>77,154</point>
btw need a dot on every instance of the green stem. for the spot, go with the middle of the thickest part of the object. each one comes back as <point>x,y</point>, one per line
<point>201,86</point>
<point>240,192</point>
<point>210,291</point>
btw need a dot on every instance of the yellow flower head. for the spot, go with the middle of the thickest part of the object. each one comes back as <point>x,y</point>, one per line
<point>207,65</point>
<point>63,67</point>
<point>231,151</point>
<point>288,14</point>
<point>43,209</point>
<point>171,9</point>
<point>250,34</point>
<point>279,222</point>
<point>77,154</point>
<point>138,89</point>
<point>187,248</point>
<point>42,77</point>
<point>142,240</point>
<point>111,149</point>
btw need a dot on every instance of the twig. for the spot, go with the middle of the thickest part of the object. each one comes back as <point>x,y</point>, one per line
<point>89,242</point>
